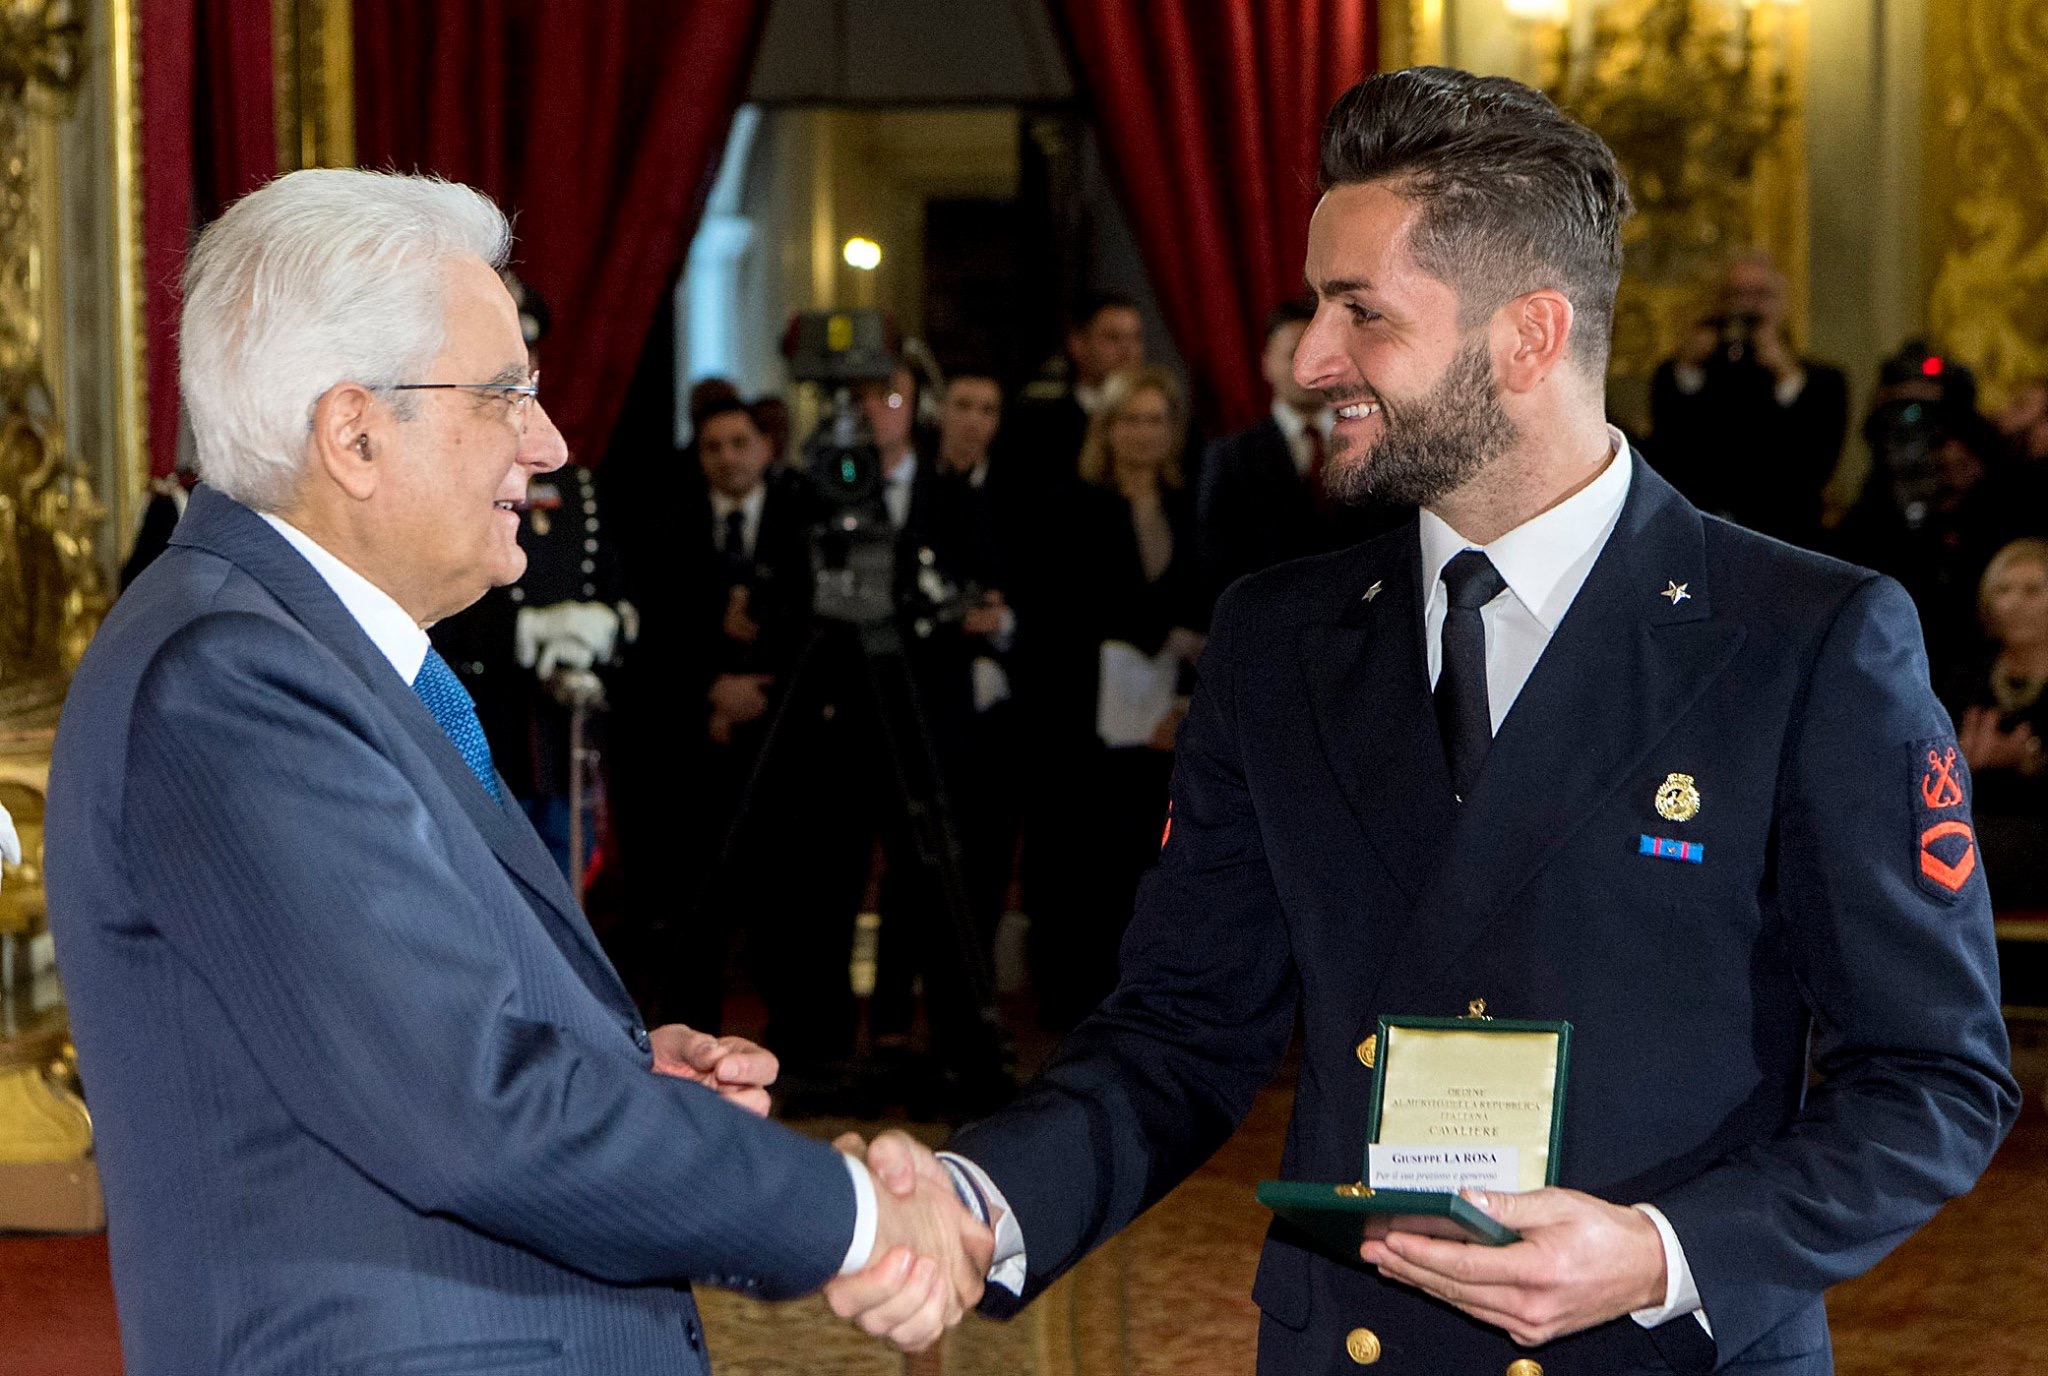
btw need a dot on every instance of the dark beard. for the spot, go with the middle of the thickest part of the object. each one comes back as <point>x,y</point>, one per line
<point>1434,444</point>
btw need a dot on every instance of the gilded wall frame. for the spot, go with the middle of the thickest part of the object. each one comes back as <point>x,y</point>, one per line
<point>74,460</point>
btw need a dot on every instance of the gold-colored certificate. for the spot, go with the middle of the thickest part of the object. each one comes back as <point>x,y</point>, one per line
<point>1457,1103</point>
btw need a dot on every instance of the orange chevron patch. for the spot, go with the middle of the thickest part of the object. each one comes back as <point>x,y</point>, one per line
<point>1951,875</point>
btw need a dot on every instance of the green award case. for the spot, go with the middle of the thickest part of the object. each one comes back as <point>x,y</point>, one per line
<point>1418,1058</point>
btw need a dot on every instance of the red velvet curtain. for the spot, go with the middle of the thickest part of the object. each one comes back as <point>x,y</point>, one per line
<point>597,124</point>
<point>1210,112</point>
<point>208,135</point>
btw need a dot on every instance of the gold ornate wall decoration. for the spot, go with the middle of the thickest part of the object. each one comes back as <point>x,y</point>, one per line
<point>52,580</point>
<point>314,83</point>
<point>73,467</point>
<point>1701,102</point>
<point>1987,188</point>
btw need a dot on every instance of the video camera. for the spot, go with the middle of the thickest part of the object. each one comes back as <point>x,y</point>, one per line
<point>1921,399</point>
<point>853,546</point>
<point>1735,335</point>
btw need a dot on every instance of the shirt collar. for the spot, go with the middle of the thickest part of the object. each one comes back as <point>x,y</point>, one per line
<point>1088,398</point>
<point>749,506</point>
<point>395,634</point>
<point>904,469</point>
<point>1535,557</point>
<point>1292,422</point>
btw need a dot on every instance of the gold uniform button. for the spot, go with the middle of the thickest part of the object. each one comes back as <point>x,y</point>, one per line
<point>1364,1346</point>
<point>1367,1049</point>
<point>1522,1366</point>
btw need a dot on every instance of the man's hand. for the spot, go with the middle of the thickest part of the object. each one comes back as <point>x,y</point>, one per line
<point>1774,353</point>
<point>1581,1261</point>
<point>985,619</point>
<point>733,1066</point>
<point>735,700</point>
<point>739,624</point>
<point>931,1257</point>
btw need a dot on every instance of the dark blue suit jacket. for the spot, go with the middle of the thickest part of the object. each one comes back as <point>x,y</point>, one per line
<point>368,1096</point>
<point>1318,863</point>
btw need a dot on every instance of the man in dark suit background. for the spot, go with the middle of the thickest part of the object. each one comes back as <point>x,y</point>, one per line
<point>367,1095</point>
<point>743,570</point>
<point>1264,498</point>
<point>1740,422</point>
<point>1472,759</point>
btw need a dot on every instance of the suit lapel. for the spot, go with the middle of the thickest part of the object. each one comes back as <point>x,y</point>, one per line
<point>1624,665</point>
<point>226,528</point>
<point>1369,688</point>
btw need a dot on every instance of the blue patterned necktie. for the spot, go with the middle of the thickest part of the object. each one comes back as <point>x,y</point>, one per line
<point>453,708</point>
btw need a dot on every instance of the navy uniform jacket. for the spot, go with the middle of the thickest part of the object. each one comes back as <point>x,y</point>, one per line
<point>1316,861</point>
<point>368,1097</point>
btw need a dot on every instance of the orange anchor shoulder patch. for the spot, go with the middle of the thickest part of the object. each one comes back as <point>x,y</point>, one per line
<point>1944,841</point>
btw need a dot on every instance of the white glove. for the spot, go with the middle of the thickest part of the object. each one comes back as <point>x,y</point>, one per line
<point>568,635</point>
<point>10,840</point>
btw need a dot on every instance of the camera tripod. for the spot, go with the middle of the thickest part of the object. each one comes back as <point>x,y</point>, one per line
<point>970,1050</point>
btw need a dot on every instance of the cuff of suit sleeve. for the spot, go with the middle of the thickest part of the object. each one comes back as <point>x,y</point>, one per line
<point>1006,1266</point>
<point>1681,1295</point>
<point>860,1251</point>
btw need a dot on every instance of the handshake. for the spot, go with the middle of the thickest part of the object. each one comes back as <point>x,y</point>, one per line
<point>930,1255</point>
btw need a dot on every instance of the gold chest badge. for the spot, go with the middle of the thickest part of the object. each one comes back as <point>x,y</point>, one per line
<point>1678,798</point>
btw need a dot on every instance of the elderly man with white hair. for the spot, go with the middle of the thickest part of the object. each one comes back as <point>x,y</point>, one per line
<point>369,1096</point>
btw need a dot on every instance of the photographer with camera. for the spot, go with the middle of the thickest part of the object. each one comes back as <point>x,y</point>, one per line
<point>867,745</point>
<point>1944,492</point>
<point>1739,422</point>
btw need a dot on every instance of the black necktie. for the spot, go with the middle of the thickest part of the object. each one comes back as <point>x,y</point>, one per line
<point>1462,715</point>
<point>737,565</point>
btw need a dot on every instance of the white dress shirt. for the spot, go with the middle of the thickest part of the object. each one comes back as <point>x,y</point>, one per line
<point>749,508</point>
<point>390,627</point>
<point>1544,562</point>
<point>896,486</point>
<point>401,641</point>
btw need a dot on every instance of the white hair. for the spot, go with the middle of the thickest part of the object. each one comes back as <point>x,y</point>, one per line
<point>324,276</point>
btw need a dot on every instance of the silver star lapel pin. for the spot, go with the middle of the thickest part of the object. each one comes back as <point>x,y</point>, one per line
<point>1676,592</point>
<point>1372,592</point>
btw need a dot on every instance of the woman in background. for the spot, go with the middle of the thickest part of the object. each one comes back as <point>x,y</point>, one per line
<point>1133,582</point>
<point>2002,715</point>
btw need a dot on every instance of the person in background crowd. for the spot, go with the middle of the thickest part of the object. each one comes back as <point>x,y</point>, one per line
<point>970,418</point>
<point>1943,494</point>
<point>2003,715</point>
<point>1135,581</point>
<point>1263,498</point>
<point>832,782</point>
<point>745,568</point>
<point>1741,423</point>
<point>650,495</point>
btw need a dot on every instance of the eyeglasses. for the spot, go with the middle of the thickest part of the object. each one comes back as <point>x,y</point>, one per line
<point>518,397</point>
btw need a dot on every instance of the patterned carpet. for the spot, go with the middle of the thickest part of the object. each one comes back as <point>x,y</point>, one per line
<point>1172,1295</point>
